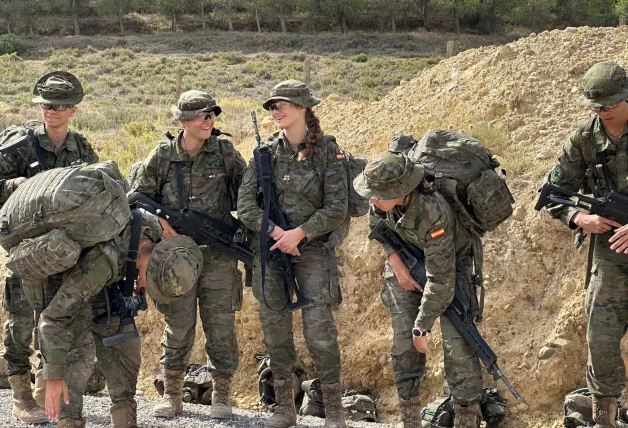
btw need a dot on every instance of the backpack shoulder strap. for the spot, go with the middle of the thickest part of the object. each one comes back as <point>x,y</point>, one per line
<point>164,152</point>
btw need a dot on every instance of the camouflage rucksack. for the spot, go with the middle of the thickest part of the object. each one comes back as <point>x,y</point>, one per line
<point>197,384</point>
<point>464,172</point>
<point>357,407</point>
<point>440,413</point>
<point>265,382</point>
<point>578,408</point>
<point>48,220</point>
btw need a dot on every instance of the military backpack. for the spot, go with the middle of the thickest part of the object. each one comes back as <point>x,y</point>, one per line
<point>357,407</point>
<point>49,219</point>
<point>440,412</point>
<point>464,172</point>
<point>265,382</point>
<point>578,409</point>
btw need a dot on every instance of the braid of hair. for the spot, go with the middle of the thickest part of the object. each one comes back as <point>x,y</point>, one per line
<point>314,134</point>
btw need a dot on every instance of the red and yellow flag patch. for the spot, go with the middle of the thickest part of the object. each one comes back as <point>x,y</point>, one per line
<point>340,156</point>
<point>437,233</point>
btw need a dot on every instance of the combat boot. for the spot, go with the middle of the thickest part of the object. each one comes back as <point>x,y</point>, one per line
<point>39,391</point>
<point>124,414</point>
<point>466,416</point>
<point>285,414</point>
<point>410,412</point>
<point>221,396</point>
<point>334,413</point>
<point>171,404</point>
<point>71,423</point>
<point>24,406</point>
<point>604,411</point>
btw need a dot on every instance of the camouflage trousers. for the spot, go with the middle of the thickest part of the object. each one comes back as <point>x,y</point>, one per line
<point>462,367</point>
<point>120,363</point>
<point>607,309</point>
<point>218,295</point>
<point>316,272</point>
<point>18,329</point>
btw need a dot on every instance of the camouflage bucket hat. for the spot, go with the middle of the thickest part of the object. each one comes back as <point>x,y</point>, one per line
<point>173,268</point>
<point>58,87</point>
<point>192,103</point>
<point>293,91</point>
<point>389,176</point>
<point>604,84</point>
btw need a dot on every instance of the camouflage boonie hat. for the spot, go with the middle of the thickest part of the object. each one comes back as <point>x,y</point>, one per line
<point>58,87</point>
<point>173,268</point>
<point>293,91</point>
<point>192,103</point>
<point>389,176</point>
<point>604,84</point>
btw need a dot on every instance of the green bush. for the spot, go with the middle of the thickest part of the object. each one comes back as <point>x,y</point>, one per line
<point>10,43</point>
<point>361,57</point>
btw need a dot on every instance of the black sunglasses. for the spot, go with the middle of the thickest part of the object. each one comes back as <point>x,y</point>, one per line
<point>55,107</point>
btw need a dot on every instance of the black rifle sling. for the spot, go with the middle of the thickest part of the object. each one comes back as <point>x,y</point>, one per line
<point>263,159</point>
<point>133,254</point>
<point>40,153</point>
<point>180,192</point>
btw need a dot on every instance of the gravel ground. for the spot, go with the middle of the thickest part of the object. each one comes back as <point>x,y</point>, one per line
<point>96,412</point>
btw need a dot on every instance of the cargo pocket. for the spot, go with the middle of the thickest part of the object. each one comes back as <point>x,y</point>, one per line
<point>13,294</point>
<point>591,286</point>
<point>238,290</point>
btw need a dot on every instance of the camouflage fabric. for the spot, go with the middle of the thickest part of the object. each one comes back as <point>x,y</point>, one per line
<point>20,323</point>
<point>58,87</point>
<point>607,295</point>
<point>313,197</point>
<point>604,84</point>
<point>427,214</point>
<point>293,91</point>
<point>173,268</point>
<point>389,176</point>
<point>211,180</point>
<point>74,148</point>
<point>192,103</point>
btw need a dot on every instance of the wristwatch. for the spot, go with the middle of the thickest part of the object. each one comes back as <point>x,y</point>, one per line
<point>417,332</point>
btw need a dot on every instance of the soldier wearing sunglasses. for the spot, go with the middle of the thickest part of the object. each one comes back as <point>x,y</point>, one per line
<point>57,94</point>
<point>595,159</point>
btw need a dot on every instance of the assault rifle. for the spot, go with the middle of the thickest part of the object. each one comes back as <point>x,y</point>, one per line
<point>266,199</point>
<point>458,311</point>
<point>614,206</point>
<point>14,147</point>
<point>203,229</point>
<point>122,302</point>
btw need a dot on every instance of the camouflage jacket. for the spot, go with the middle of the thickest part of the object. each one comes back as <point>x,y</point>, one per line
<point>75,147</point>
<point>98,267</point>
<point>312,193</point>
<point>570,172</point>
<point>430,224</point>
<point>210,179</point>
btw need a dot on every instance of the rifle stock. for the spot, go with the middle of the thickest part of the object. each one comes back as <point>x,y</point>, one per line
<point>457,312</point>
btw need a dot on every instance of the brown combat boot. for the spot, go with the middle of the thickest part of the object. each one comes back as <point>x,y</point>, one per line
<point>24,406</point>
<point>334,413</point>
<point>71,423</point>
<point>604,411</point>
<point>39,391</point>
<point>171,404</point>
<point>466,416</point>
<point>410,412</point>
<point>285,414</point>
<point>221,396</point>
<point>124,414</point>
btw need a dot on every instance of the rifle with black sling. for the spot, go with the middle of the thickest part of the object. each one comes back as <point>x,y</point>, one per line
<point>457,312</point>
<point>266,199</point>
<point>14,147</point>
<point>203,229</point>
<point>122,303</point>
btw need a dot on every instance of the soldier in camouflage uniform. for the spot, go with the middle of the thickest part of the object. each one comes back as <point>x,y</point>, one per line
<point>57,93</point>
<point>69,340</point>
<point>399,193</point>
<point>598,141</point>
<point>310,183</point>
<point>210,171</point>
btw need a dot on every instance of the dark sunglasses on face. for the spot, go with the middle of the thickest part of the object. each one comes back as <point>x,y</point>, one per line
<point>206,116</point>
<point>605,108</point>
<point>277,106</point>
<point>54,107</point>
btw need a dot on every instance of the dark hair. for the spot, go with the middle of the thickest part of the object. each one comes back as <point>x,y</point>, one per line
<point>427,187</point>
<point>314,134</point>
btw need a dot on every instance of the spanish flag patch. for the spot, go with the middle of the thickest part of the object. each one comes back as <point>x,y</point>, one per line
<point>340,156</point>
<point>437,233</point>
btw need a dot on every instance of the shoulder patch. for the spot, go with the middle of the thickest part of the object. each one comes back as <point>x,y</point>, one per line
<point>437,233</point>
